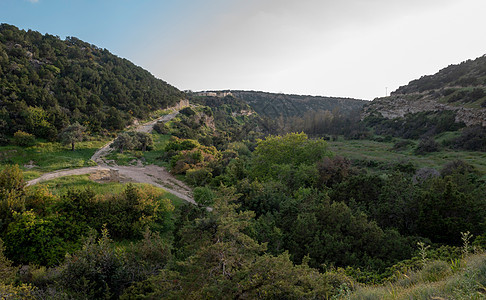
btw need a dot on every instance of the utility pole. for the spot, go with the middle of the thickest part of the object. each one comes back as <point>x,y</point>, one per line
<point>386,91</point>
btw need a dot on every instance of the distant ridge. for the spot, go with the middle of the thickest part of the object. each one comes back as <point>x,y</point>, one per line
<point>274,105</point>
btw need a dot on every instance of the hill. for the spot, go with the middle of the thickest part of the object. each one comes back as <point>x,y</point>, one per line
<point>459,89</point>
<point>47,83</point>
<point>276,105</point>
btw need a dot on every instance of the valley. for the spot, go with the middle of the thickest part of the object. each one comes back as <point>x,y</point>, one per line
<point>116,185</point>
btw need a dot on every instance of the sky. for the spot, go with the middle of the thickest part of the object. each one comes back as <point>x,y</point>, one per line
<point>343,48</point>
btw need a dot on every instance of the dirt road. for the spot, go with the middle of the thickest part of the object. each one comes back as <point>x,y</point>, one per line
<point>151,174</point>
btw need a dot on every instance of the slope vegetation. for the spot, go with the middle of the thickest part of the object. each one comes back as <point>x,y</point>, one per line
<point>276,105</point>
<point>459,88</point>
<point>47,83</point>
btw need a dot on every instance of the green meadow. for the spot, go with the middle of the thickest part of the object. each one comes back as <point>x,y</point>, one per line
<point>382,154</point>
<point>47,157</point>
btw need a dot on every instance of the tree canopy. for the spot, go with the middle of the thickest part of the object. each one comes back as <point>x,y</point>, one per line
<point>48,83</point>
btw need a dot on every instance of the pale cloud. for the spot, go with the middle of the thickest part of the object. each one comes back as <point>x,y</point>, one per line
<point>333,48</point>
<point>33,1</point>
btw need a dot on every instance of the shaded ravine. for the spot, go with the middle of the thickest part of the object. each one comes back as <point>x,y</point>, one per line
<point>151,174</point>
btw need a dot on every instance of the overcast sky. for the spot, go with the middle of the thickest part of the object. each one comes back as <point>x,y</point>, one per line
<point>346,48</point>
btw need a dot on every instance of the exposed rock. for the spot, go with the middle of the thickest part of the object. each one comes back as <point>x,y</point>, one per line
<point>107,175</point>
<point>30,165</point>
<point>398,106</point>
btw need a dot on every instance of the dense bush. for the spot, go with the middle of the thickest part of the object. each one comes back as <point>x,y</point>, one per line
<point>198,177</point>
<point>457,167</point>
<point>9,288</point>
<point>187,111</point>
<point>413,126</point>
<point>23,139</point>
<point>293,149</point>
<point>402,145</point>
<point>161,127</point>
<point>12,194</point>
<point>127,215</point>
<point>185,155</point>
<point>471,138</point>
<point>133,141</point>
<point>333,170</point>
<point>44,241</point>
<point>427,145</point>
<point>97,271</point>
<point>203,196</point>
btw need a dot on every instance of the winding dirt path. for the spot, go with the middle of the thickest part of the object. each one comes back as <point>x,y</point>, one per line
<point>151,174</point>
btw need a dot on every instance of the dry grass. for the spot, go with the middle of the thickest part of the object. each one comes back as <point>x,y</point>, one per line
<point>437,280</point>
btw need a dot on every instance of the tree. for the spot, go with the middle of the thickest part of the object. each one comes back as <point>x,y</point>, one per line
<point>133,141</point>
<point>12,194</point>
<point>228,264</point>
<point>72,134</point>
<point>122,142</point>
<point>144,140</point>
<point>333,170</point>
<point>294,149</point>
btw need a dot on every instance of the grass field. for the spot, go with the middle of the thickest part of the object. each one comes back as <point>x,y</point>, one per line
<point>464,279</point>
<point>60,186</point>
<point>48,157</point>
<point>381,152</point>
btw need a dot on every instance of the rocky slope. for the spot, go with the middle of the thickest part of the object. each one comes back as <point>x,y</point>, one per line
<point>459,88</point>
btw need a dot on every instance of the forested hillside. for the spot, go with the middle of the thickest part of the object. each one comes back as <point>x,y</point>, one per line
<point>276,105</point>
<point>47,83</point>
<point>469,73</point>
<point>281,113</point>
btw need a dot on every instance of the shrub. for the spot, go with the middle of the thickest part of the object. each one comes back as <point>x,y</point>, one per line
<point>333,170</point>
<point>292,149</point>
<point>197,158</point>
<point>176,144</point>
<point>427,145</point>
<point>31,239</point>
<point>472,138</point>
<point>4,140</point>
<point>456,166</point>
<point>198,177</point>
<point>128,214</point>
<point>161,127</point>
<point>23,139</point>
<point>97,271</point>
<point>424,174</point>
<point>11,179</point>
<point>187,111</point>
<point>7,271</point>
<point>203,196</point>
<point>402,145</point>
<point>12,194</point>
<point>148,255</point>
